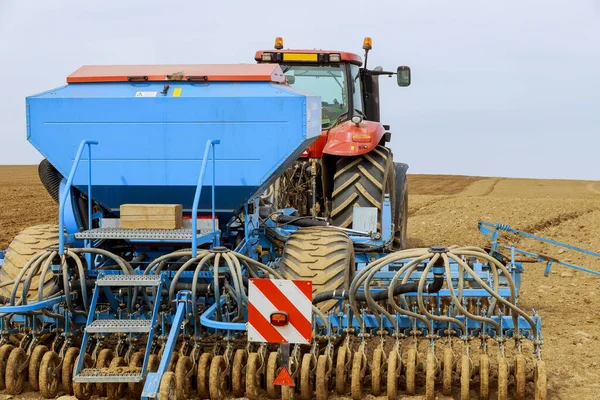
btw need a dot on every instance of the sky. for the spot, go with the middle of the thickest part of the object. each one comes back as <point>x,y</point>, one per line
<point>499,88</point>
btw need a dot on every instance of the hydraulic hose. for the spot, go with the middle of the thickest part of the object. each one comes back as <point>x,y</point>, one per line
<point>298,221</point>
<point>433,287</point>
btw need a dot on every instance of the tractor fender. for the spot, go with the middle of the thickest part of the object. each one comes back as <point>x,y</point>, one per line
<point>348,139</point>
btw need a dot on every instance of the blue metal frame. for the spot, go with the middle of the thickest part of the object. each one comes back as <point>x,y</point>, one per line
<point>68,185</point>
<point>209,144</point>
<point>493,230</point>
<point>152,385</point>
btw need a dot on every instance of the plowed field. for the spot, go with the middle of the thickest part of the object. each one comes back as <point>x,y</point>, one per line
<point>444,210</point>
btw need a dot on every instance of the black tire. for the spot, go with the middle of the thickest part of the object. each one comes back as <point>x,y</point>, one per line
<point>50,178</point>
<point>362,181</point>
<point>24,246</point>
<point>401,209</point>
<point>324,255</point>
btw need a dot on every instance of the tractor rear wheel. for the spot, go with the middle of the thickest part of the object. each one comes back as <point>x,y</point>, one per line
<point>401,217</point>
<point>321,254</point>
<point>24,246</point>
<point>363,181</point>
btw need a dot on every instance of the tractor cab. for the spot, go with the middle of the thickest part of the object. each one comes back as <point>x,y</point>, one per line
<point>347,88</point>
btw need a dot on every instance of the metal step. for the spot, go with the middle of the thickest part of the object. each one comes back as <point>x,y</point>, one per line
<point>128,280</point>
<point>102,375</point>
<point>119,325</point>
<point>140,234</point>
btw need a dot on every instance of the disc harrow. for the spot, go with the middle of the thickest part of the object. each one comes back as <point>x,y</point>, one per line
<point>422,321</point>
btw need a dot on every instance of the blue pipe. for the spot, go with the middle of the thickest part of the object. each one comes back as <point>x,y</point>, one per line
<point>209,143</point>
<point>65,194</point>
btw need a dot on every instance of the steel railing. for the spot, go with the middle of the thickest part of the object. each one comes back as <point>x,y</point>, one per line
<point>210,144</point>
<point>65,195</point>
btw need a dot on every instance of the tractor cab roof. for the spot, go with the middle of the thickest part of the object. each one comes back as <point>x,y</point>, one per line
<point>306,56</point>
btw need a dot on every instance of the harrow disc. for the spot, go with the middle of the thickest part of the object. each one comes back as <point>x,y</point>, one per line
<point>167,389</point>
<point>115,391</point>
<point>322,378</point>
<point>5,351</point>
<point>203,375</point>
<point>253,378</point>
<point>238,376</point>
<point>153,362</point>
<point>484,377</point>
<point>104,358</point>
<point>49,380</point>
<point>218,379</point>
<point>539,380</point>
<point>15,380</point>
<point>34,366</point>
<point>83,391</point>
<point>447,372</point>
<point>502,378</point>
<point>288,393</point>
<point>377,371</point>
<point>393,373</point>
<point>272,366</point>
<point>411,370</point>
<point>356,379</point>
<point>306,377</point>
<point>520,377</point>
<point>465,377</point>
<point>183,384</point>
<point>135,364</point>
<point>343,362</point>
<point>67,369</point>
<point>430,375</point>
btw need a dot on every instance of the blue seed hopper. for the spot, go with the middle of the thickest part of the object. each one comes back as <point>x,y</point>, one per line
<point>152,128</point>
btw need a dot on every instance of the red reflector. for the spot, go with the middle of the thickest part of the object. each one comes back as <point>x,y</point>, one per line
<point>361,138</point>
<point>279,318</point>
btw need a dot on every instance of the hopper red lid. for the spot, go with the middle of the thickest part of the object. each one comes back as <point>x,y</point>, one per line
<point>185,72</point>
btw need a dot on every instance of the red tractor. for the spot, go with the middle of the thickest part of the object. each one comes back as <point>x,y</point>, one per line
<point>349,165</point>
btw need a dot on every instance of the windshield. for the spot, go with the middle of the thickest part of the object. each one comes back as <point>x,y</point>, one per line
<point>327,81</point>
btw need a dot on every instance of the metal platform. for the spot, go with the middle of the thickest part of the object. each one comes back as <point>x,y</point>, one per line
<point>102,375</point>
<point>165,235</point>
<point>119,325</point>
<point>128,280</point>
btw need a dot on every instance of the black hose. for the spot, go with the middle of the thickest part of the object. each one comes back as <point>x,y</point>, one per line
<point>299,221</point>
<point>50,178</point>
<point>432,287</point>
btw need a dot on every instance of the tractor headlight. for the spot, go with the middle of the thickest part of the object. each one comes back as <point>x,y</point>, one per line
<point>266,57</point>
<point>335,58</point>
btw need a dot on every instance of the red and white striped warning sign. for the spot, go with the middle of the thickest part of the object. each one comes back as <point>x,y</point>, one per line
<point>267,297</point>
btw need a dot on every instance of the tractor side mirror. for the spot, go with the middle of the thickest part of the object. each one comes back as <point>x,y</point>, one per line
<point>403,76</point>
<point>291,79</point>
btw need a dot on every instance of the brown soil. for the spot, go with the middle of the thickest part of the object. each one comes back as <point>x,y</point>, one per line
<point>23,201</point>
<point>444,210</point>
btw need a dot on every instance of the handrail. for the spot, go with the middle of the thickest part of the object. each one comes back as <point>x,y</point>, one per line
<point>67,191</point>
<point>209,144</point>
